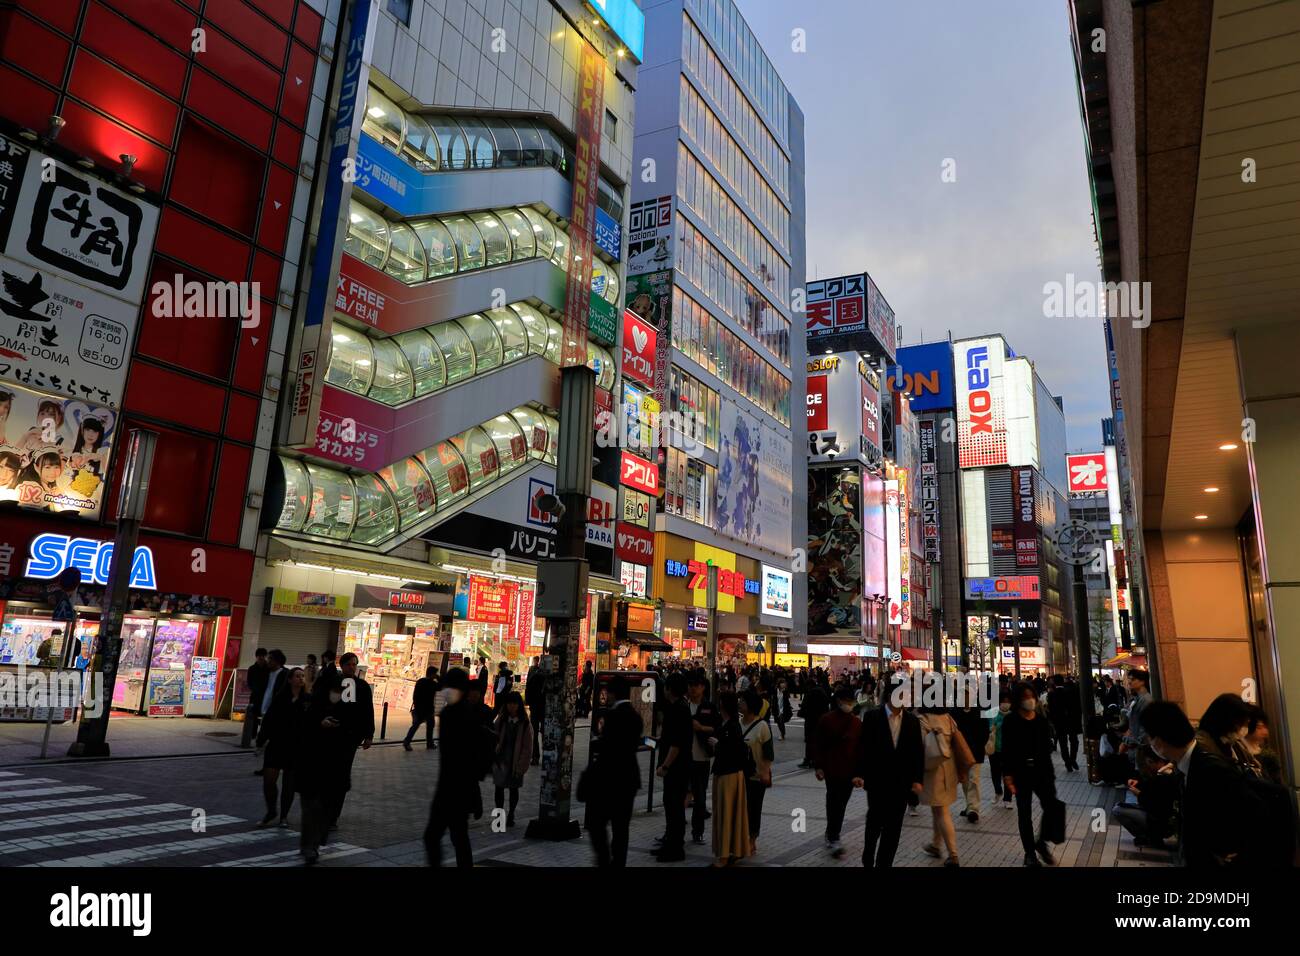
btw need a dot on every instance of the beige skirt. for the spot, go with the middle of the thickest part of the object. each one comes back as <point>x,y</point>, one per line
<point>730,817</point>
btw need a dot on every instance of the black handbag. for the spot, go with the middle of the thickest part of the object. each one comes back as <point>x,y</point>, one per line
<point>1053,829</point>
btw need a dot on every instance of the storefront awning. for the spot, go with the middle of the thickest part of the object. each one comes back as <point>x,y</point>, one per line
<point>647,642</point>
<point>916,653</point>
<point>1125,659</point>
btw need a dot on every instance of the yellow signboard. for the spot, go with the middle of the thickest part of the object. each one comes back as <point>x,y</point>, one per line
<point>791,660</point>
<point>289,603</point>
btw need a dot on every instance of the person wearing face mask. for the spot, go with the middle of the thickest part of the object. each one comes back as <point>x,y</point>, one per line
<point>889,763</point>
<point>995,758</point>
<point>1222,730</point>
<point>1027,749</point>
<point>457,793</point>
<point>835,744</point>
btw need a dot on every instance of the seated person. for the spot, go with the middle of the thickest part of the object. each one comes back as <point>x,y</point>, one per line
<point>1151,813</point>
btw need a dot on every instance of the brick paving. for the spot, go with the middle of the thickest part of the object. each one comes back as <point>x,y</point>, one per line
<point>201,811</point>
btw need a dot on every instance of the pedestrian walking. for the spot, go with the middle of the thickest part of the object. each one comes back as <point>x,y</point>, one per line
<point>835,744</point>
<point>782,708</point>
<point>535,699</point>
<point>613,778</point>
<point>889,764</point>
<point>947,763</point>
<point>586,686</point>
<point>676,742</point>
<point>814,704</point>
<point>256,678</point>
<point>462,765</point>
<point>1066,712</point>
<point>281,734</point>
<point>1027,748</point>
<point>423,699</point>
<point>704,717</point>
<point>758,737</point>
<point>974,727</point>
<point>502,684</point>
<point>514,752</point>
<point>996,763</point>
<point>731,767</point>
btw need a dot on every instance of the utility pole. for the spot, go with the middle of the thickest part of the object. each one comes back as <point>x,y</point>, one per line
<point>562,600</point>
<point>92,732</point>
<point>1015,636</point>
<point>711,635</point>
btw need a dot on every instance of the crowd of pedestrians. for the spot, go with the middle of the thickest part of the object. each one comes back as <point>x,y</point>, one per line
<point>1213,794</point>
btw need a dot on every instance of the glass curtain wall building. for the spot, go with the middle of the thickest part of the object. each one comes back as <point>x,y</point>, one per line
<point>716,242</point>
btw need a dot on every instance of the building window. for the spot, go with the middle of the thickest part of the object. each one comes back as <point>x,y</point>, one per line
<point>402,10</point>
<point>611,127</point>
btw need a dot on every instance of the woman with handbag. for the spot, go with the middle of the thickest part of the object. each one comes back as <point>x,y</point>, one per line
<point>731,766</point>
<point>947,762</point>
<point>758,737</point>
<point>513,754</point>
<point>1027,748</point>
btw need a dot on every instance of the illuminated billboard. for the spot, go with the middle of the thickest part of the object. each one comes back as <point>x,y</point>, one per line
<point>981,402</point>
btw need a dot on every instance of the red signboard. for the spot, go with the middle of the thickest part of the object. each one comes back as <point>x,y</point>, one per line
<point>639,339</point>
<point>582,221</point>
<point>491,602</point>
<point>1026,522</point>
<point>1087,473</point>
<point>818,415</point>
<point>639,474</point>
<point>634,544</point>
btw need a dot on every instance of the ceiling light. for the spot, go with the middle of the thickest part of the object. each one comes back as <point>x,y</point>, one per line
<point>1227,446</point>
<point>1201,517</point>
<point>1212,489</point>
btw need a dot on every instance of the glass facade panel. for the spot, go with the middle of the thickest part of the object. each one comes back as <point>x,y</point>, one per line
<point>297,495</point>
<point>411,488</point>
<point>480,456</point>
<point>376,513</point>
<point>508,438</point>
<point>534,324</point>
<point>405,254</point>
<point>352,363</point>
<point>533,424</point>
<point>333,504</point>
<point>383,119</point>
<point>421,146</point>
<point>482,147</point>
<point>425,359</point>
<point>522,241</point>
<point>367,237</point>
<point>452,147</point>
<point>447,469</point>
<point>510,152</point>
<point>487,344</point>
<point>543,231</point>
<point>439,247</point>
<point>457,353</point>
<point>392,383</point>
<point>495,238</point>
<point>514,339</point>
<point>469,243</point>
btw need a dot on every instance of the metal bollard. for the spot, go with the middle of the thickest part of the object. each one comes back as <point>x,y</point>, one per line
<point>383,722</point>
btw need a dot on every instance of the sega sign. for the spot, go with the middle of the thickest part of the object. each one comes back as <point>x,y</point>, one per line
<point>51,554</point>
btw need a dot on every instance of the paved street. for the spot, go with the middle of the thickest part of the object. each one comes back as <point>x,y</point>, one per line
<point>202,811</point>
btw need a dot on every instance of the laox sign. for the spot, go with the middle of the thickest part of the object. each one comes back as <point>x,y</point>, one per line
<point>980,399</point>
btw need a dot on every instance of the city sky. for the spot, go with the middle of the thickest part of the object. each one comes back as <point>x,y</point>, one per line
<point>890,91</point>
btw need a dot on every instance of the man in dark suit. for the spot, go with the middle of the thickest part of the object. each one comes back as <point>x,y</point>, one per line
<point>704,720</point>
<point>257,675</point>
<point>1221,814</point>
<point>356,716</point>
<point>461,758</point>
<point>422,708</point>
<point>1065,711</point>
<point>328,679</point>
<point>535,700</point>
<point>675,741</point>
<point>617,778</point>
<point>890,766</point>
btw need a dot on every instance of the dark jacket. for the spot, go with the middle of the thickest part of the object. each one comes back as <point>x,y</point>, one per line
<point>814,704</point>
<point>1224,818</point>
<point>423,696</point>
<point>617,771</point>
<point>676,732</point>
<point>1027,746</point>
<point>887,770</point>
<point>535,689</point>
<point>974,726</point>
<point>708,716</point>
<point>465,752</point>
<point>328,679</point>
<point>1064,708</point>
<point>835,742</point>
<point>258,675</point>
<point>284,730</point>
<point>730,753</point>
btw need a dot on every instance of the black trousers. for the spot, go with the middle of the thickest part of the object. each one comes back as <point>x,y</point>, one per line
<point>699,792</point>
<point>416,721</point>
<point>613,811</point>
<point>885,812</point>
<point>444,818</point>
<point>501,798</point>
<point>677,783</point>
<point>315,822</point>
<point>755,791</point>
<point>1029,783</point>
<point>837,801</point>
<point>1068,741</point>
<point>537,717</point>
<point>995,768</point>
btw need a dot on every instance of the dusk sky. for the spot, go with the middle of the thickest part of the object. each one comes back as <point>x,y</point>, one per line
<point>890,90</point>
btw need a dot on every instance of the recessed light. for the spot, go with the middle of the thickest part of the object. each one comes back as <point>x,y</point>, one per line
<point>1211,489</point>
<point>1227,446</point>
<point>1202,517</point>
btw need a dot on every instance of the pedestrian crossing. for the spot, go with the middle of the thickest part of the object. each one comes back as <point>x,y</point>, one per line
<point>47,822</point>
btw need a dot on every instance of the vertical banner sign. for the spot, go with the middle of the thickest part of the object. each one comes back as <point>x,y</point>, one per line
<point>1026,522</point>
<point>582,221</point>
<point>981,403</point>
<point>893,559</point>
<point>929,493</point>
<point>343,132</point>
<point>904,552</point>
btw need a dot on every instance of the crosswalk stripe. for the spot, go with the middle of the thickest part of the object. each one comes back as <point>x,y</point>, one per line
<point>8,808</point>
<point>26,781</point>
<point>292,857</point>
<point>109,833</point>
<point>139,854</point>
<point>47,791</point>
<point>87,816</point>
<point>9,773</point>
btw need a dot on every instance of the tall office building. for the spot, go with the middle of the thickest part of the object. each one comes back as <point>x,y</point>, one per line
<point>715,244</point>
<point>1011,458</point>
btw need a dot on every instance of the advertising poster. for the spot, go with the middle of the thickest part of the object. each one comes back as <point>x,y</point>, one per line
<point>167,693</point>
<point>639,348</point>
<point>981,403</point>
<point>650,236</point>
<point>54,452</point>
<point>289,603</point>
<point>835,558</point>
<point>848,312</point>
<point>777,590</point>
<point>893,564</point>
<point>925,373</point>
<point>491,602</point>
<point>755,480</point>
<point>173,644</point>
<point>201,698</point>
<point>650,296</point>
<point>582,220</point>
<point>904,551</point>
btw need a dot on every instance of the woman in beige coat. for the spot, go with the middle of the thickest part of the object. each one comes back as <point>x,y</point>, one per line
<point>947,762</point>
